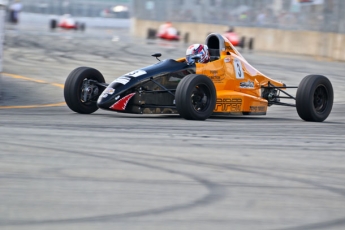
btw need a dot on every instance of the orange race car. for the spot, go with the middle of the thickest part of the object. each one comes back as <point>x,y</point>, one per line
<point>227,84</point>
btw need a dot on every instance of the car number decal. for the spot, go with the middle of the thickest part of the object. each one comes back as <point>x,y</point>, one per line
<point>238,69</point>
<point>127,77</point>
<point>136,73</point>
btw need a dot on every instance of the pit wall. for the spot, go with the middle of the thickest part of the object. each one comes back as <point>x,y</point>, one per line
<point>322,46</point>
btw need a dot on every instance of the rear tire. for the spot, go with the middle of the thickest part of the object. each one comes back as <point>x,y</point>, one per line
<point>251,44</point>
<point>195,97</point>
<point>242,42</point>
<point>82,27</point>
<point>53,24</point>
<point>151,34</point>
<point>75,90</point>
<point>76,26</point>
<point>314,98</point>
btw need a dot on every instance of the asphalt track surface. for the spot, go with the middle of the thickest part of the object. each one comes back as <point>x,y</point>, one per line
<point>62,170</point>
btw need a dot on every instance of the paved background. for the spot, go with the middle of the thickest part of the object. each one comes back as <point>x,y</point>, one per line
<point>62,170</point>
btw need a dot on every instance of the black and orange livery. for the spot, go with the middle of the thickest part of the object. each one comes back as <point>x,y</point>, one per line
<point>226,85</point>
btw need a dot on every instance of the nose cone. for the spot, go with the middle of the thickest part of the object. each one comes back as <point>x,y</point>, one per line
<point>107,98</point>
<point>114,102</point>
<point>104,102</point>
<point>120,104</point>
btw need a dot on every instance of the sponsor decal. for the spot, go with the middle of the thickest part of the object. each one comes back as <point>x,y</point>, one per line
<point>229,104</point>
<point>248,84</point>
<point>122,103</point>
<point>226,60</point>
<point>238,69</point>
<point>108,91</point>
<point>216,78</point>
<point>257,109</point>
<point>123,80</point>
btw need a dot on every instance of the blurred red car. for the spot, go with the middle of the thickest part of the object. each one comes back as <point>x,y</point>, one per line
<point>233,38</point>
<point>66,22</point>
<point>166,31</point>
<point>236,40</point>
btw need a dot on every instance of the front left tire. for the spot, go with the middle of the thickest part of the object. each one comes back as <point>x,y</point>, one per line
<point>195,97</point>
<point>80,91</point>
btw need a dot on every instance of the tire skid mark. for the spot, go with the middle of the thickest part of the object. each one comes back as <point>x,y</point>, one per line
<point>216,193</point>
<point>320,225</point>
<point>243,169</point>
<point>312,226</point>
<point>210,185</point>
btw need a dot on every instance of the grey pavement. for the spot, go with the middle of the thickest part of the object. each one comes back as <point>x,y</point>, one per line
<point>62,170</point>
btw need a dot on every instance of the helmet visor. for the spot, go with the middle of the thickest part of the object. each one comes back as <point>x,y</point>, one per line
<point>193,57</point>
<point>189,58</point>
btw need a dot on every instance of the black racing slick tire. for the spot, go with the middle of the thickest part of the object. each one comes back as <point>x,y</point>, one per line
<point>251,44</point>
<point>242,42</point>
<point>195,97</point>
<point>82,26</point>
<point>151,34</point>
<point>53,24</point>
<point>77,26</point>
<point>80,94</point>
<point>314,98</point>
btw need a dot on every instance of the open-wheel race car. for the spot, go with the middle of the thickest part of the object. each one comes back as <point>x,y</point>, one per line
<point>66,22</point>
<point>167,32</point>
<point>226,85</point>
<point>238,41</point>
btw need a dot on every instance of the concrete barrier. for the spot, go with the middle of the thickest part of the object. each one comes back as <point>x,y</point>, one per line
<point>329,46</point>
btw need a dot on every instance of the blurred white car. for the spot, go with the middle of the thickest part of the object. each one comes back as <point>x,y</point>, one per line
<point>66,22</point>
<point>118,11</point>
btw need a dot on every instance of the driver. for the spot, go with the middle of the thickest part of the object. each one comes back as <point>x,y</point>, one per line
<point>200,50</point>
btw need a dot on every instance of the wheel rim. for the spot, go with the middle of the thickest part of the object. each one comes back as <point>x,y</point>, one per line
<point>88,91</point>
<point>200,97</point>
<point>320,99</point>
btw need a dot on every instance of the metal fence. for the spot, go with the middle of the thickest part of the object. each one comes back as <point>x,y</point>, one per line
<point>85,8</point>
<point>315,15</point>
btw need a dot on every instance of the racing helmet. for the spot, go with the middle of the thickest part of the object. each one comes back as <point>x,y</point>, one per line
<point>197,49</point>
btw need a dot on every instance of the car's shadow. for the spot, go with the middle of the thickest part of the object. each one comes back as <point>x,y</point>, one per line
<point>213,118</point>
<point>177,117</point>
